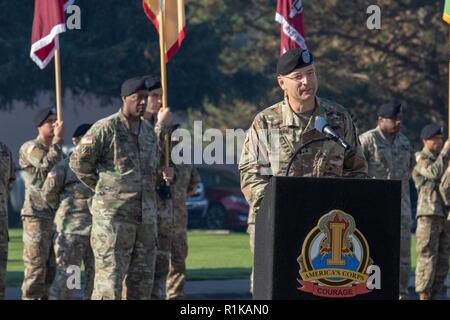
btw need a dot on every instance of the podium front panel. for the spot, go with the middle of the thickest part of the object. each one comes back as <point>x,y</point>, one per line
<point>328,238</point>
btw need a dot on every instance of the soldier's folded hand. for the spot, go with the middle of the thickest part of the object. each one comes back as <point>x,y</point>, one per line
<point>165,117</point>
<point>58,130</point>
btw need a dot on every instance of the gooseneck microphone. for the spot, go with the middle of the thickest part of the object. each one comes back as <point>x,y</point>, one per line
<point>322,125</point>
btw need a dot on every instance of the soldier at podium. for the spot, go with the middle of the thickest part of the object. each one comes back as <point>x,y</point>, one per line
<point>277,131</point>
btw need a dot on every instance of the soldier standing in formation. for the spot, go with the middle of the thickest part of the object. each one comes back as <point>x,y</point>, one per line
<point>118,159</point>
<point>388,155</point>
<point>279,129</point>
<point>66,195</point>
<point>36,158</point>
<point>170,267</point>
<point>7,178</point>
<point>433,226</point>
<point>185,184</point>
<point>163,200</point>
<point>165,230</point>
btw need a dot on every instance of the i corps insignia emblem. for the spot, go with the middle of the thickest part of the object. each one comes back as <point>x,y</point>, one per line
<point>335,258</point>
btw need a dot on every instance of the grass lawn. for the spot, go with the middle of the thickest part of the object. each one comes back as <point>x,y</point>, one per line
<point>211,256</point>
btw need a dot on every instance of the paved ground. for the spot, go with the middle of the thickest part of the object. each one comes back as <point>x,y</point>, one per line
<point>230,290</point>
<point>195,290</point>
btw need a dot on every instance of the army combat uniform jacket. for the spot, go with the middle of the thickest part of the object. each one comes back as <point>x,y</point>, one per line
<point>69,197</point>
<point>7,178</point>
<point>36,161</point>
<point>274,136</point>
<point>388,160</point>
<point>120,167</point>
<point>427,175</point>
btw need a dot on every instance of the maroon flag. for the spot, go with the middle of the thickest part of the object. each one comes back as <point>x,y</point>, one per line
<point>48,22</point>
<point>290,16</point>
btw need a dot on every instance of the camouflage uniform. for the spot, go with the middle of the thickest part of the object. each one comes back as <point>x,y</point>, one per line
<point>69,198</point>
<point>388,160</point>
<point>165,231</point>
<point>433,229</point>
<point>272,139</point>
<point>36,161</point>
<point>185,185</point>
<point>120,167</point>
<point>7,178</point>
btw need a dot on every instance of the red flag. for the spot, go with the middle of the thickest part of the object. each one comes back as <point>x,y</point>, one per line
<point>174,22</point>
<point>48,22</point>
<point>290,16</point>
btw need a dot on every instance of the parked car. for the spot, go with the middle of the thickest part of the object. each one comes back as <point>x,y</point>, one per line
<point>225,206</point>
<point>197,205</point>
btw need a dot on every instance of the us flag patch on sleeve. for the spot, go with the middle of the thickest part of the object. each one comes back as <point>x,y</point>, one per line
<point>87,140</point>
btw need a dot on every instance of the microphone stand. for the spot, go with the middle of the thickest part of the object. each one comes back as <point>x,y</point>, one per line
<point>300,148</point>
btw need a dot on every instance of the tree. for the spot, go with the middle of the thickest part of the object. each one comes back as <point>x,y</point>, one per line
<point>230,53</point>
<point>357,67</point>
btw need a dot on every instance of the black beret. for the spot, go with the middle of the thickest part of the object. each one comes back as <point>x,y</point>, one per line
<point>133,85</point>
<point>153,82</point>
<point>389,110</point>
<point>431,130</point>
<point>294,59</point>
<point>42,115</point>
<point>81,130</point>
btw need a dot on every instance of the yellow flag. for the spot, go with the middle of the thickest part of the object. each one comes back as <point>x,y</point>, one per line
<point>446,15</point>
<point>174,22</point>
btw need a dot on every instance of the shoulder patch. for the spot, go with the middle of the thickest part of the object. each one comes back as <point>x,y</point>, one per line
<point>30,148</point>
<point>418,157</point>
<point>87,140</point>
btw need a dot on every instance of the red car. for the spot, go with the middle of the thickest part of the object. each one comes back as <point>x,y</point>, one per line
<point>226,205</point>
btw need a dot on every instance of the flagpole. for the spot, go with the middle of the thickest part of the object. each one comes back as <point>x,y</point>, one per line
<point>162,50</point>
<point>58,80</point>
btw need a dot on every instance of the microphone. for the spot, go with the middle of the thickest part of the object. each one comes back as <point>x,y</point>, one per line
<point>322,125</point>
